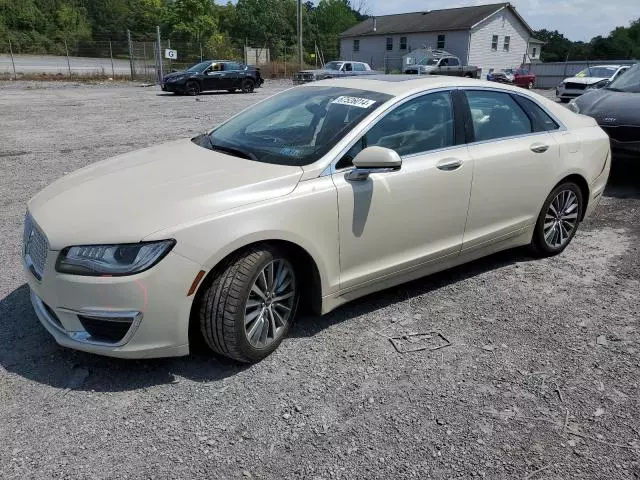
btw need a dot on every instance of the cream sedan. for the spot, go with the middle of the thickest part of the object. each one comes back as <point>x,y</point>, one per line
<point>314,197</point>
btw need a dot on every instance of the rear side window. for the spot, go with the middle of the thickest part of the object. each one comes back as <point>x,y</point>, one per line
<point>453,62</point>
<point>542,122</point>
<point>496,115</point>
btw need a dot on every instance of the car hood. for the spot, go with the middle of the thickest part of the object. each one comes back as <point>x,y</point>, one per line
<point>181,73</point>
<point>611,108</point>
<point>128,197</point>
<point>585,80</point>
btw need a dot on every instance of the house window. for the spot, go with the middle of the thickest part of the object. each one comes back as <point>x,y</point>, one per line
<point>403,43</point>
<point>494,43</point>
<point>440,42</point>
<point>507,41</point>
<point>535,52</point>
<point>389,43</point>
<point>356,45</point>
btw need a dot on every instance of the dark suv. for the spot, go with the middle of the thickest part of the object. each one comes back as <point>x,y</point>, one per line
<point>213,75</point>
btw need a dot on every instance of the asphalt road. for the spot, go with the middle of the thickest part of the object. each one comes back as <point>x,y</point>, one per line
<point>30,64</point>
<point>541,380</point>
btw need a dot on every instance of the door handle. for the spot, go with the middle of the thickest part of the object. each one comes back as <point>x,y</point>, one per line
<point>539,148</point>
<point>448,164</point>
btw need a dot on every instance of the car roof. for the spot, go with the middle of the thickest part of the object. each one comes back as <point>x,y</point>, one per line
<point>399,85</point>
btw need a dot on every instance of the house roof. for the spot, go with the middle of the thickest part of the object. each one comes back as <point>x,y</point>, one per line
<point>463,18</point>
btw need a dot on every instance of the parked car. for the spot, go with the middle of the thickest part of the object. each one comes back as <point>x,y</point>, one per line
<point>520,77</point>
<point>336,69</point>
<point>316,196</point>
<point>443,65</point>
<point>213,75</point>
<point>524,78</point>
<point>591,77</point>
<point>616,108</point>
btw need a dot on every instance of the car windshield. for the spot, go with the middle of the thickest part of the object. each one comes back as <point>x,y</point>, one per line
<point>198,67</point>
<point>429,61</point>
<point>602,72</point>
<point>295,127</point>
<point>333,66</point>
<point>629,81</point>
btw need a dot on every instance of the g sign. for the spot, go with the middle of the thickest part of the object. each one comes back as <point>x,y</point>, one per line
<point>170,54</point>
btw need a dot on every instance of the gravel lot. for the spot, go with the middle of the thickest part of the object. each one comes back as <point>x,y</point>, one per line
<point>541,379</point>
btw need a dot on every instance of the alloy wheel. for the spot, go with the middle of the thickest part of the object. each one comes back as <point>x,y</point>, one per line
<point>561,219</point>
<point>270,303</point>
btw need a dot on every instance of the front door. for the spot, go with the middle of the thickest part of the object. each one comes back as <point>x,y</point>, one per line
<point>517,160</point>
<point>213,77</point>
<point>398,221</point>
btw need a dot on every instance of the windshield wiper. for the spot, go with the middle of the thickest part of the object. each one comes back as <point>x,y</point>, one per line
<point>236,152</point>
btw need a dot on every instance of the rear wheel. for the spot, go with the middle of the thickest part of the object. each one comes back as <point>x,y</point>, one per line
<point>468,75</point>
<point>558,220</point>
<point>250,306</point>
<point>192,88</point>
<point>530,86</point>
<point>247,86</point>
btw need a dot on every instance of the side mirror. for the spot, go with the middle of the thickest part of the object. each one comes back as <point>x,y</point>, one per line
<point>374,160</point>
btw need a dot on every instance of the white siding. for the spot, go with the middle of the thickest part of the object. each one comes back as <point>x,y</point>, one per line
<point>373,49</point>
<point>504,23</point>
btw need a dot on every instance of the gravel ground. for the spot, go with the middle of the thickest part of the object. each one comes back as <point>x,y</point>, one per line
<point>541,379</point>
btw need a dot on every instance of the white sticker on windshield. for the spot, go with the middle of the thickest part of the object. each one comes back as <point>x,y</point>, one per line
<point>354,101</point>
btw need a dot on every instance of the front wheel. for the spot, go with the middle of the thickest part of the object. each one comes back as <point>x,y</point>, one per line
<point>192,88</point>
<point>530,86</point>
<point>250,306</point>
<point>558,220</point>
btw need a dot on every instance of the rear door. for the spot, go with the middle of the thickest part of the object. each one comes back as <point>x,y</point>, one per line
<point>516,163</point>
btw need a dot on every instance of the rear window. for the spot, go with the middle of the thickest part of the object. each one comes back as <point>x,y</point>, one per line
<point>541,120</point>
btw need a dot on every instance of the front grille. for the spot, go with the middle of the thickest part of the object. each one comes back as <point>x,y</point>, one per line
<point>575,86</point>
<point>112,330</point>
<point>35,245</point>
<point>624,133</point>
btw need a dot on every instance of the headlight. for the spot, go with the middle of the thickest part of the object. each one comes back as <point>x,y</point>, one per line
<point>573,106</point>
<point>112,260</point>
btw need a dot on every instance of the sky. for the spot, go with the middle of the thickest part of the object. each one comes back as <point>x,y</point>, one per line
<point>576,19</point>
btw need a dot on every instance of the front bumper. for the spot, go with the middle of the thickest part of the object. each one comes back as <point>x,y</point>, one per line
<point>570,92</point>
<point>171,87</point>
<point>302,80</point>
<point>154,302</point>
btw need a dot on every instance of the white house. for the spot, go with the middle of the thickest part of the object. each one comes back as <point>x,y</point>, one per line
<point>488,36</point>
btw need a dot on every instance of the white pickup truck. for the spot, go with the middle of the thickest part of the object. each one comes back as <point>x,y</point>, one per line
<point>442,64</point>
<point>336,69</point>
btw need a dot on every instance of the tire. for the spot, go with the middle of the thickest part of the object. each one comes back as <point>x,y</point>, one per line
<point>247,85</point>
<point>530,86</point>
<point>468,75</point>
<point>234,320</point>
<point>192,88</point>
<point>564,100</point>
<point>561,211</point>
<point>232,90</point>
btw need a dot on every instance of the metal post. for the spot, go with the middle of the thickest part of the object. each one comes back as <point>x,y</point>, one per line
<point>15,76</point>
<point>68,62</point>
<point>130,52</point>
<point>160,73</point>
<point>300,56</point>
<point>200,41</point>
<point>169,47</point>
<point>113,72</point>
<point>144,63</point>
<point>285,61</point>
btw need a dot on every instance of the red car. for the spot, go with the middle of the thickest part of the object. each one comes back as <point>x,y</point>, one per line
<point>524,78</point>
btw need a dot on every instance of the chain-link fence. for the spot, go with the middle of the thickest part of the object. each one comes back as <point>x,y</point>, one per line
<point>139,58</point>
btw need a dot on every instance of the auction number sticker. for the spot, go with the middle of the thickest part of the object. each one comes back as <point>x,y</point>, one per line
<point>354,101</point>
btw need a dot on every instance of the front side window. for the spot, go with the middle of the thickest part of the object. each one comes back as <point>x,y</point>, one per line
<point>441,41</point>
<point>419,125</point>
<point>403,43</point>
<point>494,43</point>
<point>389,43</point>
<point>347,67</point>
<point>507,41</point>
<point>496,115</point>
<point>295,127</point>
<point>356,45</point>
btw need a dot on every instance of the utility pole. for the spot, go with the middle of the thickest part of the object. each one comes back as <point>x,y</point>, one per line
<point>13,63</point>
<point>299,19</point>
<point>130,52</point>
<point>160,74</point>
